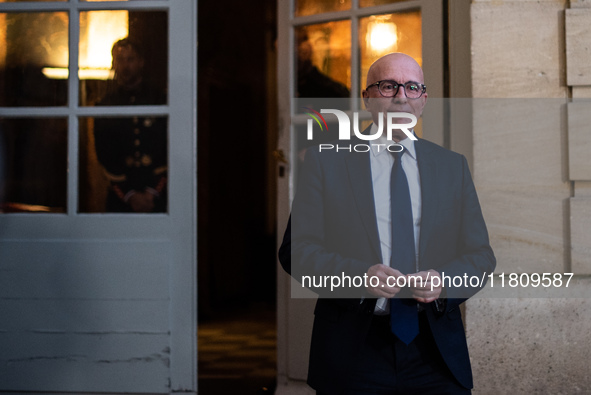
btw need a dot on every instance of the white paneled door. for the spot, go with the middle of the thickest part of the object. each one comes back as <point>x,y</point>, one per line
<point>98,196</point>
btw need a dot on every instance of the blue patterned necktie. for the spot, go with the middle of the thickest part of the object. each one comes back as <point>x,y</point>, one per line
<point>404,317</point>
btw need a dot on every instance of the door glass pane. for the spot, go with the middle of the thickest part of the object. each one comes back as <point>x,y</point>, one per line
<point>311,7</point>
<point>370,3</point>
<point>123,58</point>
<point>382,34</point>
<point>22,1</point>
<point>123,164</point>
<point>33,164</point>
<point>31,45</point>
<point>323,60</point>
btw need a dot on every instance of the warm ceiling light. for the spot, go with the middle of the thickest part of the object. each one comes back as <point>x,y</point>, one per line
<point>103,29</point>
<point>61,73</point>
<point>382,36</point>
<point>99,30</point>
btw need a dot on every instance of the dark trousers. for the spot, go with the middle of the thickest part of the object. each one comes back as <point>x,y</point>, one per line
<point>387,366</point>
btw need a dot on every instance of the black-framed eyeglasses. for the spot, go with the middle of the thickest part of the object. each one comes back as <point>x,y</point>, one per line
<point>389,88</point>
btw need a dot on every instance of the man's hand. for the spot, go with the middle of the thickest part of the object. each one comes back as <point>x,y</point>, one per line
<point>383,272</point>
<point>422,292</point>
<point>142,202</point>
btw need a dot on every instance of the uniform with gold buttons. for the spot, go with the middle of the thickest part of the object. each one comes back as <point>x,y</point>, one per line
<point>133,151</point>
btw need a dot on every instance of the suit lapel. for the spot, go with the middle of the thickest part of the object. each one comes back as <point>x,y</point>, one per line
<point>359,170</point>
<point>428,175</point>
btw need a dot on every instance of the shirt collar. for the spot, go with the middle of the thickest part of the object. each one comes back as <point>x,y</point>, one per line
<point>407,143</point>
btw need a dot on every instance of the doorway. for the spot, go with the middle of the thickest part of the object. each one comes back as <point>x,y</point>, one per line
<point>237,201</point>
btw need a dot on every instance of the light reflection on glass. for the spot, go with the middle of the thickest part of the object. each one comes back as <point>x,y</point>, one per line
<point>99,30</point>
<point>382,36</point>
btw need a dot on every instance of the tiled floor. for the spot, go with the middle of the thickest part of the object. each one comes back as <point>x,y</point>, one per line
<point>238,355</point>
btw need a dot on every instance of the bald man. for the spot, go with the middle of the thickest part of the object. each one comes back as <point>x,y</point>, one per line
<point>390,215</point>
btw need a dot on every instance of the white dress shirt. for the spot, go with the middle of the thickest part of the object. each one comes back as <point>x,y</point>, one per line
<point>381,161</point>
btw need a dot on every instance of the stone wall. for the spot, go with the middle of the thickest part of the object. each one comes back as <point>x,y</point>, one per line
<point>527,140</point>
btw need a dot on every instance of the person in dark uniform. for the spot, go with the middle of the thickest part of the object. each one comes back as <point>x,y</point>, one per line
<point>312,83</point>
<point>132,150</point>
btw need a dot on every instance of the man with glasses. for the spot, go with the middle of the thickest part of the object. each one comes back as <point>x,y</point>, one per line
<point>389,215</point>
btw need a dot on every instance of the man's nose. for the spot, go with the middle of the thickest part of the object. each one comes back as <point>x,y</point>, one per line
<point>400,94</point>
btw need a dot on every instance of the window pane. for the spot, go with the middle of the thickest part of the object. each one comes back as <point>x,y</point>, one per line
<point>382,34</point>
<point>22,1</point>
<point>323,60</point>
<point>31,45</point>
<point>311,7</point>
<point>95,0</point>
<point>33,165</point>
<point>123,57</point>
<point>123,164</point>
<point>370,3</point>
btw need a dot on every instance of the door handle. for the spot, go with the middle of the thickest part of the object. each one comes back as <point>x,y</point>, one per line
<point>279,156</point>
